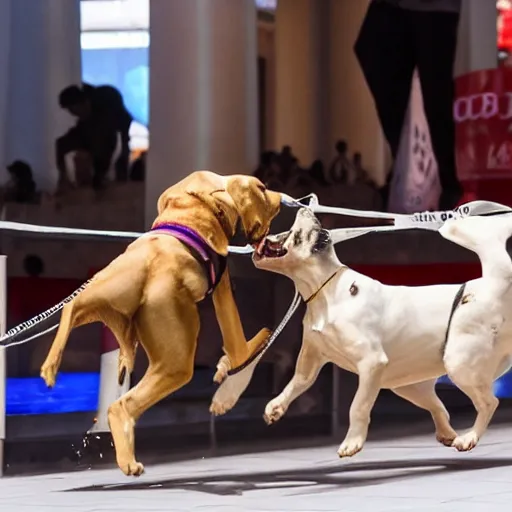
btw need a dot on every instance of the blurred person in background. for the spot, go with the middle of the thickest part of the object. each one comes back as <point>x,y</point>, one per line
<point>317,173</point>
<point>102,130</point>
<point>138,167</point>
<point>268,168</point>
<point>362,175</point>
<point>341,169</point>
<point>285,161</point>
<point>22,187</point>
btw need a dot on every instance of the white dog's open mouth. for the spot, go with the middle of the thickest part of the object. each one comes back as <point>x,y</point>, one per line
<point>271,248</point>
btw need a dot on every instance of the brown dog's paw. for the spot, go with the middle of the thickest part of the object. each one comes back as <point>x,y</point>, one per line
<point>132,468</point>
<point>223,367</point>
<point>49,373</point>
<point>262,337</point>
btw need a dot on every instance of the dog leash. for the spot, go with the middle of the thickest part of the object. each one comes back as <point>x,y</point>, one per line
<point>297,299</point>
<point>431,221</point>
<point>426,220</point>
<point>238,378</point>
<point>9,338</point>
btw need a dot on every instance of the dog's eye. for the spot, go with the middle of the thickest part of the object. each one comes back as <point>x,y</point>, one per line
<point>297,237</point>
<point>261,187</point>
<point>322,241</point>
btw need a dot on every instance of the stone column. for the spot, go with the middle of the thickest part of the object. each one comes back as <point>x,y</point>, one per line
<point>203,91</point>
<point>353,116</point>
<point>477,44</point>
<point>301,78</point>
<point>39,56</point>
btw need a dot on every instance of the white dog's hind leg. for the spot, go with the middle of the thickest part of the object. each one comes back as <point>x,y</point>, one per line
<point>309,364</point>
<point>485,404</point>
<point>370,370</point>
<point>424,396</point>
<point>473,371</point>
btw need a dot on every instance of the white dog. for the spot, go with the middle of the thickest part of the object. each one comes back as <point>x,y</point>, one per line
<point>398,337</point>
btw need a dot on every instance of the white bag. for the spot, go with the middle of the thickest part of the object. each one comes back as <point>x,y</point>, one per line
<point>415,185</point>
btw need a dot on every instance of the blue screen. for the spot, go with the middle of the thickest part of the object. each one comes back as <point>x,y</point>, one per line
<point>73,392</point>
<point>127,69</point>
<point>78,392</point>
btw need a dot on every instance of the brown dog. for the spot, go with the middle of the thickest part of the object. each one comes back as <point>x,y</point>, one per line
<point>149,293</point>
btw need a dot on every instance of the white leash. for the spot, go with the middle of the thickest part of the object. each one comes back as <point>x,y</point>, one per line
<point>238,378</point>
<point>41,317</point>
<point>123,235</point>
<point>427,220</point>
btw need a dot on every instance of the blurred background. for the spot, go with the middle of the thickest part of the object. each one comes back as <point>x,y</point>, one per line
<point>375,105</point>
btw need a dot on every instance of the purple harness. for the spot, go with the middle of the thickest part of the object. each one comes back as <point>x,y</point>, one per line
<point>214,264</point>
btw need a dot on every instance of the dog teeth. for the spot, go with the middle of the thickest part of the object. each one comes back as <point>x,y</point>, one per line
<point>260,247</point>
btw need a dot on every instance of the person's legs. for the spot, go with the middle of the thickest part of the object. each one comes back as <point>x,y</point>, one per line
<point>386,56</point>
<point>104,140</point>
<point>123,161</point>
<point>435,44</point>
<point>73,140</point>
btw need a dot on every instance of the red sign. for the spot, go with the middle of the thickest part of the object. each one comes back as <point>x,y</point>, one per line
<point>504,25</point>
<point>483,116</point>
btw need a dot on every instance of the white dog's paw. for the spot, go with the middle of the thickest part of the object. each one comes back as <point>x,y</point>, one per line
<point>466,442</point>
<point>274,411</point>
<point>232,387</point>
<point>350,447</point>
<point>224,398</point>
<point>218,407</point>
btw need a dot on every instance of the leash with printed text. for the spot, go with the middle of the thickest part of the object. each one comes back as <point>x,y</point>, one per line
<point>426,220</point>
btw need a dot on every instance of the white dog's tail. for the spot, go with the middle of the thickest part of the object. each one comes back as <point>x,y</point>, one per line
<point>487,237</point>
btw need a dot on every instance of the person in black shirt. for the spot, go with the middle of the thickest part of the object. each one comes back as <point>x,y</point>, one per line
<point>101,118</point>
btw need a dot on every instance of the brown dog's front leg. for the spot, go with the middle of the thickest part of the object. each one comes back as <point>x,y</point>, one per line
<point>234,343</point>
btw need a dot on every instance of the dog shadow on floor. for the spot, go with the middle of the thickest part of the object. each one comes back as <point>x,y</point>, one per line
<point>304,481</point>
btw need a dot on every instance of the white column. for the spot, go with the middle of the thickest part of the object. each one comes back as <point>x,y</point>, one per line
<point>39,56</point>
<point>353,116</point>
<point>5,28</point>
<point>477,43</point>
<point>301,78</point>
<point>203,91</point>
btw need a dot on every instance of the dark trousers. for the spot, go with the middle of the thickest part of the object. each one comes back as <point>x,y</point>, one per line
<point>391,44</point>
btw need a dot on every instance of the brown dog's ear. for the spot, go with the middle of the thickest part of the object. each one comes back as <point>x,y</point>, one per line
<point>256,205</point>
<point>219,202</point>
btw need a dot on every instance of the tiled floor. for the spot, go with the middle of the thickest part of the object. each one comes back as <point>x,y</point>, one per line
<point>398,475</point>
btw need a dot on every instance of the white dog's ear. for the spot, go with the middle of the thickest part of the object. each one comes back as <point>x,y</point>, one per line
<point>323,240</point>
